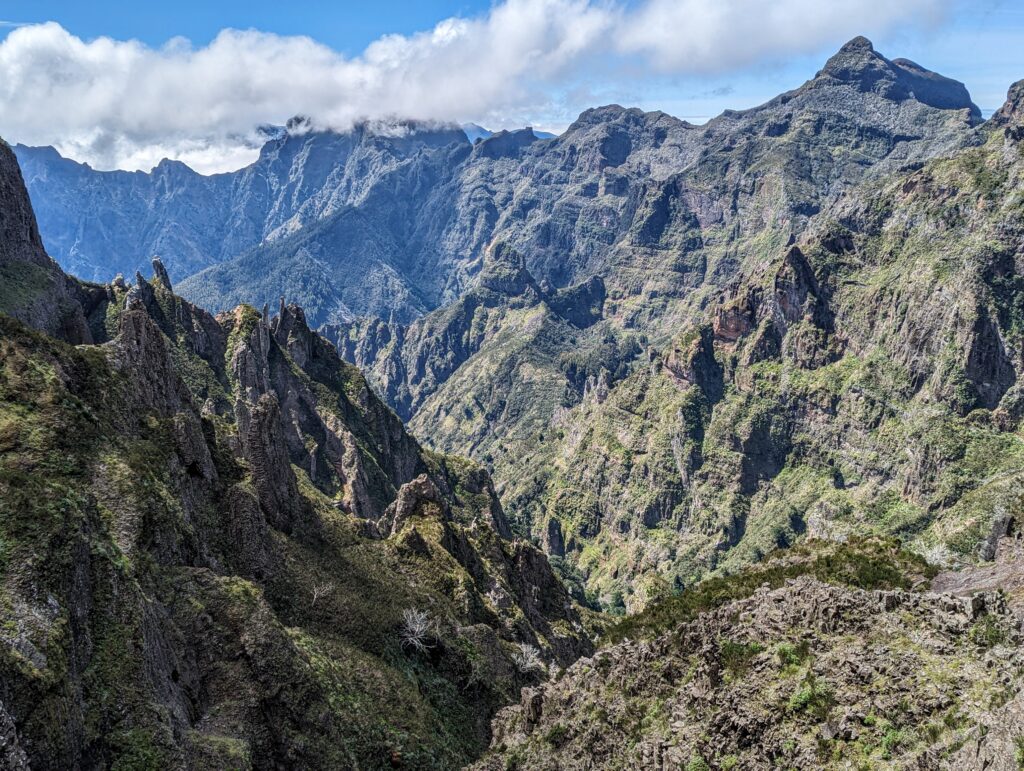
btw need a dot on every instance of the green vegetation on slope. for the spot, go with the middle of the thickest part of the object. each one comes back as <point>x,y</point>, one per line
<point>863,563</point>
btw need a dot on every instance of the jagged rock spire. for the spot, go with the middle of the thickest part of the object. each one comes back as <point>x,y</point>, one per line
<point>160,273</point>
<point>133,299</point>
<point>140,293</point>
<point>504,271</point>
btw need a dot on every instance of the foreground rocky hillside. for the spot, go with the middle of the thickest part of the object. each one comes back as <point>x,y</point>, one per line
<point>825,657</point>
<point>219,549</point>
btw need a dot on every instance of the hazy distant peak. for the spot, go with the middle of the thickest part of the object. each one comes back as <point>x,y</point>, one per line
<point>858,63</point>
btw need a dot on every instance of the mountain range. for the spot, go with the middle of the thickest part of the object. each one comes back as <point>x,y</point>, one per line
<point>731,382</point>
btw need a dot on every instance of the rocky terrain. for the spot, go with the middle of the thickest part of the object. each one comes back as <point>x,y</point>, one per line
<point>675,347</point>
<point>218,548</point>
<point>828,657</point>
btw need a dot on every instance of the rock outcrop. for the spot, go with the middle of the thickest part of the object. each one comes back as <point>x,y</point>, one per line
<point>32,286</point>
<point>805,672</point>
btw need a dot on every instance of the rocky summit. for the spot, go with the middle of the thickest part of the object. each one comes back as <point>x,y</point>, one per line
<point>649,445</point>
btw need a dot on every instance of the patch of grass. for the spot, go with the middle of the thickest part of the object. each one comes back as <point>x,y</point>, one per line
<point>138,749</point>
<point>790,655</point>
<point>697,763</point>
<point>986,632</point>
<point>21,283</point>
<point>736,656</point>
<point>556,735</point>
<point>891,742</point>
<point>812,697</point>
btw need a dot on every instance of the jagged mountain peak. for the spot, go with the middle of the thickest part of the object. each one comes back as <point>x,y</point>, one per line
<point>616,113</point>
<point>19,234</point>
<point>858,63</point>
<point>1011,114</point>
<point>160,273</point>
<point>852,60</point>
<point>505,144</point>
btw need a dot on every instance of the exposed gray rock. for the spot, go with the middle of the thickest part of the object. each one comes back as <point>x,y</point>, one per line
<point>32,287</point>
<point>12,756</point>
<point>808,675</point>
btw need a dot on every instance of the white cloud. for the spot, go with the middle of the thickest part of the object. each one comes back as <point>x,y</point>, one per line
<point>710,36</point>
<point>123,104</point>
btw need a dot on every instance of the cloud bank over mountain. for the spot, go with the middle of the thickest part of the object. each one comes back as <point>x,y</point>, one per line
<point>123,104</point>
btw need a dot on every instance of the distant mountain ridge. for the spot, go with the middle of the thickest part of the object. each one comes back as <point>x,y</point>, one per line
<point>194,221</point>
<point>412,211</point>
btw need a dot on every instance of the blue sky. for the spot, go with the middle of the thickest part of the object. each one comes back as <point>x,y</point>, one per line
<point>345,26</point>
<point>185,88</point>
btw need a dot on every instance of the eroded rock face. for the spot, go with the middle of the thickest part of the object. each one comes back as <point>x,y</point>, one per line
<point>1010,117</point>
<point>858,63</point>
<point>811,675</point>
<point>413,498</point>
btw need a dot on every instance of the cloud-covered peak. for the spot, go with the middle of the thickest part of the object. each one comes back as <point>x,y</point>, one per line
<point>124,104</point>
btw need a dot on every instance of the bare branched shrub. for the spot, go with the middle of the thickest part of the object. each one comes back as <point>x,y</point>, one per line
<point>416,625</point>
<point>320,591</point>
<point>527,659</point>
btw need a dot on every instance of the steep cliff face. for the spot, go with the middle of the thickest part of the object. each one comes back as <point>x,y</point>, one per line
<point>489,366</point>
<point>211,532</point>
<point>32,286</point>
